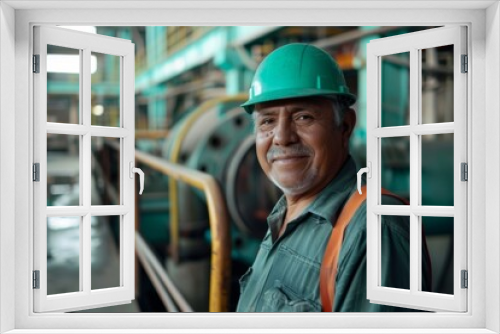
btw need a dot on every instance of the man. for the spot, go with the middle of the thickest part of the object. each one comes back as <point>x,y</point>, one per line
<point>303,121</point>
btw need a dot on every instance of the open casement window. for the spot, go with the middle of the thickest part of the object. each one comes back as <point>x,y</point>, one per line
<point>68,132</point>
<point>429,118</point>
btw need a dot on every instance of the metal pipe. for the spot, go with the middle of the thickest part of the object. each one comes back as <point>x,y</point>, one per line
<point>160,289</point>
<point>151,258</point>
<point>151,134</point>
<point>246,59</point>
<point>209,81</point>
<point>174,157</point>
<point>219,225</point>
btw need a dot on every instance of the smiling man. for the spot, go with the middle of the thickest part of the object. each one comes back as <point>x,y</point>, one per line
<point>303,121</point>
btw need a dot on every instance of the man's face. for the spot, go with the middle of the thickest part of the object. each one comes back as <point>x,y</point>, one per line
<point>299,147</point>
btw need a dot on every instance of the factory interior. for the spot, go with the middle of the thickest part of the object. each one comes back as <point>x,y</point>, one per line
<point>189,84</point>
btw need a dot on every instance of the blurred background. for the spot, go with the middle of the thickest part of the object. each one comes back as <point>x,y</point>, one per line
<point>189,83</point>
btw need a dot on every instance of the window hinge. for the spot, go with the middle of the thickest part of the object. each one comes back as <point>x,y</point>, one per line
<point>36,63</point>
<point>465,279</point>
<point>36,279</point>
<point>465,64</point>
<point>36,172</point>
<point>465,172</point>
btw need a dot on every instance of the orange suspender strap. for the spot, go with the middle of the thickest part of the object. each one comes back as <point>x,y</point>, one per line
<point>329,265</point>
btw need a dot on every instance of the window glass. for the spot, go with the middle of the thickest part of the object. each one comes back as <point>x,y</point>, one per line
<point>105,250</point>
<point>63,254</point>
<point>63,170</point>
<point>437,169</point>
<point>105,171</point>
<point>439,236</point>
<point>395,89</point>
<point>106,90</point>
<point>394,252</point>
<point>437,85</point>
<point>63,84</point>
<point>395,165</point>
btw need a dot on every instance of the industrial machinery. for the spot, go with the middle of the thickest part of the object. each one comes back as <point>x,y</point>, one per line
<point>190,82</point>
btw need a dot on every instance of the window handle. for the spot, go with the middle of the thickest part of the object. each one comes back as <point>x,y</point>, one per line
<point>368,171</point>
<point>141,175</point>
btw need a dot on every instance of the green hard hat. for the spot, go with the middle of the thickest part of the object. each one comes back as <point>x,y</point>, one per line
<point>297,70</point>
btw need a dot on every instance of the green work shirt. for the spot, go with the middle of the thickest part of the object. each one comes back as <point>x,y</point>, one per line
<point>285,274</point>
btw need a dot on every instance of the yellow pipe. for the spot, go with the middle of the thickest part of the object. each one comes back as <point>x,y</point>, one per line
<point>219,225</point>
<point>174,157</point>
<point>151,134</point>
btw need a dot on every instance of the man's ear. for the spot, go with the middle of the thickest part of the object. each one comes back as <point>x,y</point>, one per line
<point>348,126</point>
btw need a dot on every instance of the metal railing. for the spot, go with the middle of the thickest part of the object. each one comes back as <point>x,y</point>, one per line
<point>151,134</point>
<point>174,157</point>
<point>219,225</point>
<point>166,289</point>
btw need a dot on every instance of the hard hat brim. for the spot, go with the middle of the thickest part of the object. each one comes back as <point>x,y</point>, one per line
<point>283,94</point>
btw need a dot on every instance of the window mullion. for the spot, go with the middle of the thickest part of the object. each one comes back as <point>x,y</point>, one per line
<point>85,167</point>
<point>66,211</point>
<point>109,210</point>
<point>435,128</point>
<point>67,129</point>
<point>414,171</point>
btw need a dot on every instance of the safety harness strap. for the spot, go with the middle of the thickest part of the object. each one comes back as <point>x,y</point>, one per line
<point>329,264</point>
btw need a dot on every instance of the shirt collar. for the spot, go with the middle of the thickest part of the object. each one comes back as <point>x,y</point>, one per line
<point>332,198</point>
<point>326,204</point>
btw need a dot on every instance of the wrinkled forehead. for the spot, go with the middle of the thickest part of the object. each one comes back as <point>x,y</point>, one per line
<point>317,103</point>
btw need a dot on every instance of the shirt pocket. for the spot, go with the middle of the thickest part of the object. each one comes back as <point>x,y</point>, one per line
<point>280,298</point>
<point>297,273</point>
<point>244,279</point>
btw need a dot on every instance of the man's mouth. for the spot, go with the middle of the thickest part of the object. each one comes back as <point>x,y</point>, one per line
<point>290,154</point>
<point>287,158</point>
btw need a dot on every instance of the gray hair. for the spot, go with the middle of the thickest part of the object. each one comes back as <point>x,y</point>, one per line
<point>340,105</point>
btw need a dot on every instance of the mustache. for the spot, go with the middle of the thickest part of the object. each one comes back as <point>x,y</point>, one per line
<point>296,150</point>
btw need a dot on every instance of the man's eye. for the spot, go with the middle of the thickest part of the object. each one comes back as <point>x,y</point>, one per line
<point>304,117</point>
<point>266,121</point>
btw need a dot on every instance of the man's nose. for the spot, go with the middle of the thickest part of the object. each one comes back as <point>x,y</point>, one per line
<point>284,132</point>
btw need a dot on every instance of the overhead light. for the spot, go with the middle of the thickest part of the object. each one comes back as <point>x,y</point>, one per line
<point>60,63</point>
<point>98,110</point>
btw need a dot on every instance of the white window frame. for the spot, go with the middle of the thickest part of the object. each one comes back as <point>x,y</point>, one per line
<point>413,43</point>
<point>483,21</point>
<point>86,43</point>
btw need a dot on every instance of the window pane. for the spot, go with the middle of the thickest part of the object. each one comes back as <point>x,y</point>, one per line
<point>395,90</point>
<point>105,171</point>
<point>63,84</point>
<point>106,90</point>
<point>439,236</point>
<point>63,254</point>
<point>395,252</point>
<point>395,165</point>
<point>105,250</point>
<point>437,84</point>
<point>437,169</point>
<point>63,170</point>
